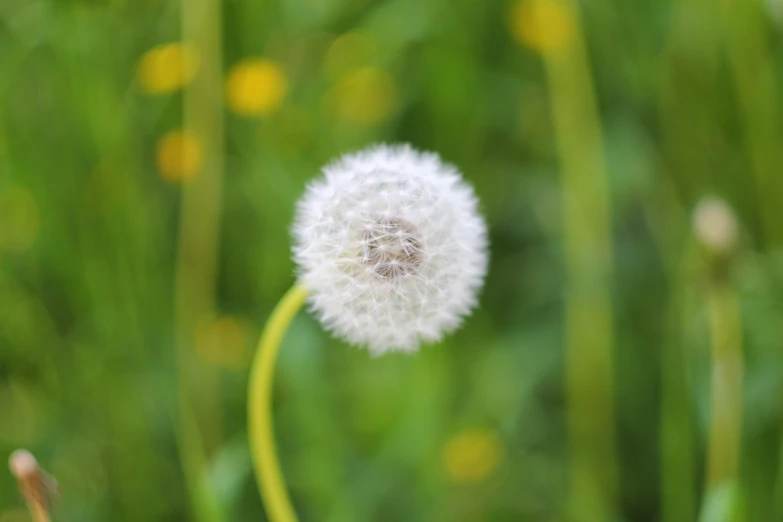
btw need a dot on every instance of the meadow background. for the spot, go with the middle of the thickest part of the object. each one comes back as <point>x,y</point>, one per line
<point>151,152</point>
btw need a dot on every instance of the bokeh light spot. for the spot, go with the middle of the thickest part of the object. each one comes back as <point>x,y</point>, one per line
<point>542,25</point>
<point>222,341</point>
<point>166,68</point>
<point>473,455</point>
<point>19,221</point>
<point>349,51</point>
<point>179,156</point>
<point>256,87</point>
<point>366,96</point>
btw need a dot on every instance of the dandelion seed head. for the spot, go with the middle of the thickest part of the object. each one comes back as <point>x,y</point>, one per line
<point>391,246</point>
<point>715,225</point>
<point>22,464</point>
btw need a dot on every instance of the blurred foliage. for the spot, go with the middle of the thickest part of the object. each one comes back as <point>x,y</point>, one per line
<point>93,157</point>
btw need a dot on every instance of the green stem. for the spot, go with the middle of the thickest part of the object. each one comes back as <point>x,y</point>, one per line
<point>726,409</point>
<point>197,257</point>
<point>261,433</point>
<point>678,497</point>
<point>587,237</point>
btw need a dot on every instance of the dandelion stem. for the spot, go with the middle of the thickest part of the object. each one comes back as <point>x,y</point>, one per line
<point>39,512</point>
<point>726,401</point>
<point>34,484</point>
<point>262,442</point>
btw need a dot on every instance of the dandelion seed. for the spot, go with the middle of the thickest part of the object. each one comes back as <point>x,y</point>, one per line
<point>391,247</point>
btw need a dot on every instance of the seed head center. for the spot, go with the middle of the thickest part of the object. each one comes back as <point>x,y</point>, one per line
<point>391,248</point>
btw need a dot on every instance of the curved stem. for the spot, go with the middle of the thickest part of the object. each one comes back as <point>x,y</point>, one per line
<point>261,433</point>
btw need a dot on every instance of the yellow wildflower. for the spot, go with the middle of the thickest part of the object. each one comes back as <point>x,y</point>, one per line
<point>473,455</point>
<point>166,68</point>
<point>349,51</point>
<point>542,25</point>
<point>179,156</point>
<point>255,86</point>
<point>223,341</point>
<point>366,96</point>
<point>19,220</point>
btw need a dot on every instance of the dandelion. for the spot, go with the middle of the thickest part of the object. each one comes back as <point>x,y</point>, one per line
<point>166,68</point>
<point>365,96</point>
<point>716,229</point>
<point>473,455</point>
<point>715,225</point>
<point>179,156</point>
<point>221,341</point>
<point>542,25</point>
<point>391,247</point>
<point>255,87</point>
<point>36,486</point>
<point>392,251</point>
<point>350,51</point>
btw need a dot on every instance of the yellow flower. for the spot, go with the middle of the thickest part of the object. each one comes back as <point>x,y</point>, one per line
<point>255,87</point>
<point>19,220</point>
<point>166,68</point>
<point>223,341</point>
<point>349,51</point>
<point>179,156</point>
<point>542,25</point>
<point>366,96</point>
<point>471,456</point>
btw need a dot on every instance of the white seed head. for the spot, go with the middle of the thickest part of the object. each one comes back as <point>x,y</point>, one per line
<point>22,464</point>
<point>715,225</point>
<point>391,247</point>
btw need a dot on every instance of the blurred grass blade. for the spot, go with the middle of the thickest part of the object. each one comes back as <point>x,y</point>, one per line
<point>587,229</point>
<point>197,250</point>
<point>723,459</point>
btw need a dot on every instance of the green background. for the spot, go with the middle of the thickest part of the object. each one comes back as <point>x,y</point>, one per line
<point>687,96</point>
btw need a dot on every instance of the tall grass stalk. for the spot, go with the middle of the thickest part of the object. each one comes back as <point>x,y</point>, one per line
<point>752,70</point>
<point>678,467</point>
<point>688,123</point>
<point>723,452</point>
<point>587,229</point>
<point>197,249</point>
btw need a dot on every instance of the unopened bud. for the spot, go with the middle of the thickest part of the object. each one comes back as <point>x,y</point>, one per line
<point>715,225</point>
<point>22,464</point>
